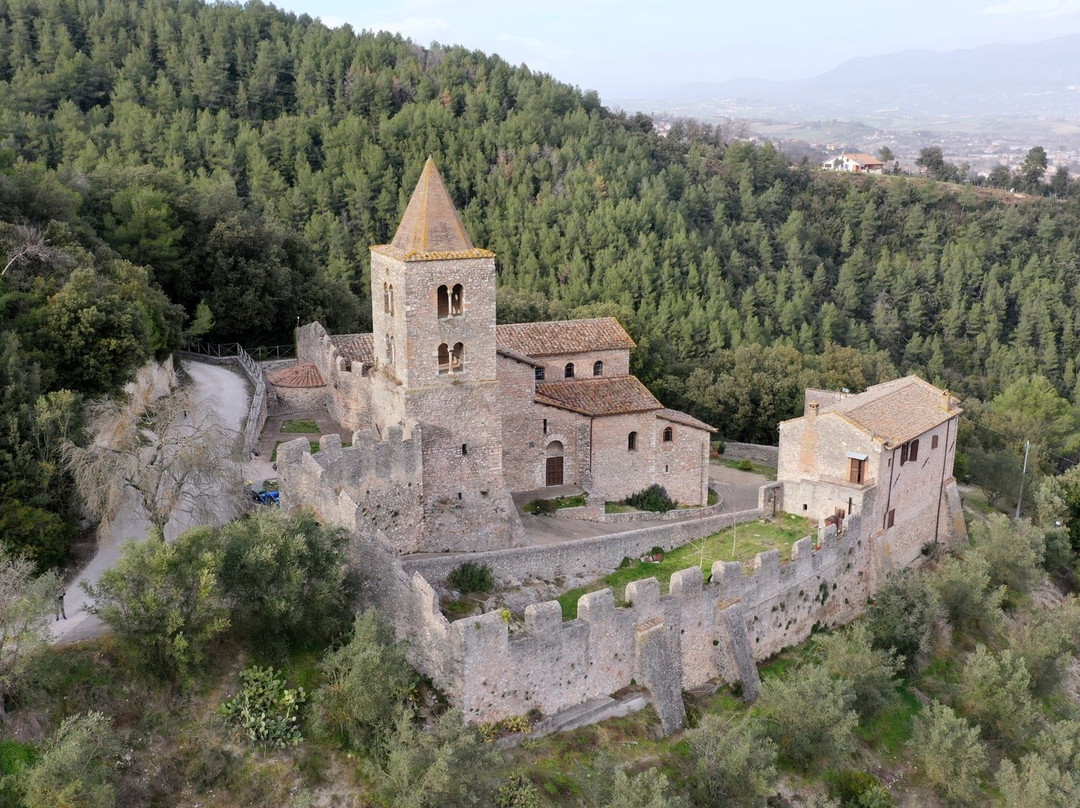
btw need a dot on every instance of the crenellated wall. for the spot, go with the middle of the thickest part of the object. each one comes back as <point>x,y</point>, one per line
<point>348,391</point>
<point>383,476</point>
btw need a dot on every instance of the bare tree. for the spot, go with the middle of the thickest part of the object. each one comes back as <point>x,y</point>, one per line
<point>29,245</point>
<point>168,451</point>
<point>26,602</point>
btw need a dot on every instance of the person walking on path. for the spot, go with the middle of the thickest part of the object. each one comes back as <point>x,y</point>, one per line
<point>60,593</point>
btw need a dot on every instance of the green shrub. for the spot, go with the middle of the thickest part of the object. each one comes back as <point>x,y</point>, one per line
<point>77,767</point>
<point>654,498</point>
<point>850,655</point>
<point>265,711</point>
<point>902,615</point>
<point>164,603</point>
<point>285,578</point>
<point>745,465</point>
<point>366,681</point>
<point>733,762</point>
<point>857,789</point>
<point>995,691</point>
<point>802,734</point>
<point>949,754</point>
<point>471,577</point>
<point>963,586</point>
<point>1014,551</point>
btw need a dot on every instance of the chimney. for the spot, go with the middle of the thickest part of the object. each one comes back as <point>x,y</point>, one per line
<point>812,409</point>
<point>945,401</point>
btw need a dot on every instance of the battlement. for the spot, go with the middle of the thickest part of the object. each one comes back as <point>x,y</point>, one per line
<point>705,631</point>
<point>383,476</point>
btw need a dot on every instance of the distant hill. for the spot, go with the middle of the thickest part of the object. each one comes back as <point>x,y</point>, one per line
<point>1036,80</point>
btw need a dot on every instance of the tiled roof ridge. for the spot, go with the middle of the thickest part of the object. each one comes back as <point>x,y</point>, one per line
<point>561,337</point>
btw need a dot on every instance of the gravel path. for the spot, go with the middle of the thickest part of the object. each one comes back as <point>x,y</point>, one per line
<point>225,394</point>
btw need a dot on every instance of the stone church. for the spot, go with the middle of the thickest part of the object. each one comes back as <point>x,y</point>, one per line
<point>477,410</point>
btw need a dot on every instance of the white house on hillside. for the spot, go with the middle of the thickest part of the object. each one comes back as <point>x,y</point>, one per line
<point>854,162</point>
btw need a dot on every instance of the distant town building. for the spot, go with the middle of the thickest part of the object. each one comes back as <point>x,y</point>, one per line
<point>855,163</point>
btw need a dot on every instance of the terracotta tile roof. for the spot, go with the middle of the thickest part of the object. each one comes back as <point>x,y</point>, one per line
<point>563,337</point>
<point>863,158</point>
<point>677,417</point>
<point>517,356</point>
<point>356,347</point>
<point>899,410</point>
<point>599,395</point>
<point>305,375</point>
<point>431,228</point>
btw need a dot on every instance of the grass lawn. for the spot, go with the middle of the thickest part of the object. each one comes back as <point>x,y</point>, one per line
<point>747,465</point>
<point>299,427</point>
<point>748,539</point>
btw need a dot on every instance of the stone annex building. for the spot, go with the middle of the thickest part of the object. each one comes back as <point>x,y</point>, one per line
<point>471,411</point>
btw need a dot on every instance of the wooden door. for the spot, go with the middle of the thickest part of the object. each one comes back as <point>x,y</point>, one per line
<point>554,471</point>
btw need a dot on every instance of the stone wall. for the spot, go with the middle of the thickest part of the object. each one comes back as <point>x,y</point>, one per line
<point>348,386</point>
<point>616,363</point>
<point>706,631</point>
<point>592,556</point>
<point>382,475</point>
<point>758,452</point>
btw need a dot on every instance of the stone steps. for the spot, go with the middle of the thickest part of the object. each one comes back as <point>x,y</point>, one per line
<point>590,712</point>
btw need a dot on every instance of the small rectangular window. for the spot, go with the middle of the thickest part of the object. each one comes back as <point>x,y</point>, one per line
<point>890,518</point>
<point>913,452</point>
<point>538,374</point>
<point>903,454</point>
<point>933,442</point>
<point>545,426</point>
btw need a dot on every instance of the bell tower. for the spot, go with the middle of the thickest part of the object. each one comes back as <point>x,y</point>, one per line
<point>433,315</point>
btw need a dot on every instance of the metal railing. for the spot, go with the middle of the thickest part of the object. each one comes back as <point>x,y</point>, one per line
<point>226,350</point>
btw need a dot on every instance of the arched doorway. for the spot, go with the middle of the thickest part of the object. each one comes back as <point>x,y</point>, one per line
<point>554,464</point>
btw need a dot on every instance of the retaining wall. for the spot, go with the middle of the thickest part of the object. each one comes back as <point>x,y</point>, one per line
<point>766,455</point>
<point>596,555</point>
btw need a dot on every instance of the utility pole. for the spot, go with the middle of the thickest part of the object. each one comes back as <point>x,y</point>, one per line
<point>1023,472</point>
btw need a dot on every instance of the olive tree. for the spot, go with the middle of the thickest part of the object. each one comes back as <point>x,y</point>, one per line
<point>26,607</point>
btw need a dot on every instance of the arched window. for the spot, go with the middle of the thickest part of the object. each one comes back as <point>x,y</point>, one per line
<point>568,371</point>
<point>631,442</point>
<point>597,368</point>
<point>386,298</point>
<point>457,358</point>
<point>444,359</point>
<point>669,434</point>
<point>457,300</point>
<point>390,300</point>
<point>538,373</point>
<point>444,302</point>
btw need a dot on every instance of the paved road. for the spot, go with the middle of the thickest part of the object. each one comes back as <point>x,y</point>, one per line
<point>738,489</point>
<point>222,392</point>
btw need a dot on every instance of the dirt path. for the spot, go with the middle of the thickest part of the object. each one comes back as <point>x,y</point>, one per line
<point>222,392</point>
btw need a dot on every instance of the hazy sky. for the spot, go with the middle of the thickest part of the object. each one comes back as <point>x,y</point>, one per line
<point>629,48</point>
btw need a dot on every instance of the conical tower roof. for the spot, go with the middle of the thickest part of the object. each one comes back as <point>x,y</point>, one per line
<point>431,228</point>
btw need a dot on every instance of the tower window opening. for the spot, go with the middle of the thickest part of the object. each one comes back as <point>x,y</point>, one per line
<point>568,371</point>
<point>538,374</point>
<point>669,435</point>
<point>457,300</point>
<point>457,358</point>
<point>545,426</point>
<point>444,359</point>
<point>598,368</point>
<point>444,302</point>
<point>464,449</point>
<point>631,442</point>
<point>389,350</point>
